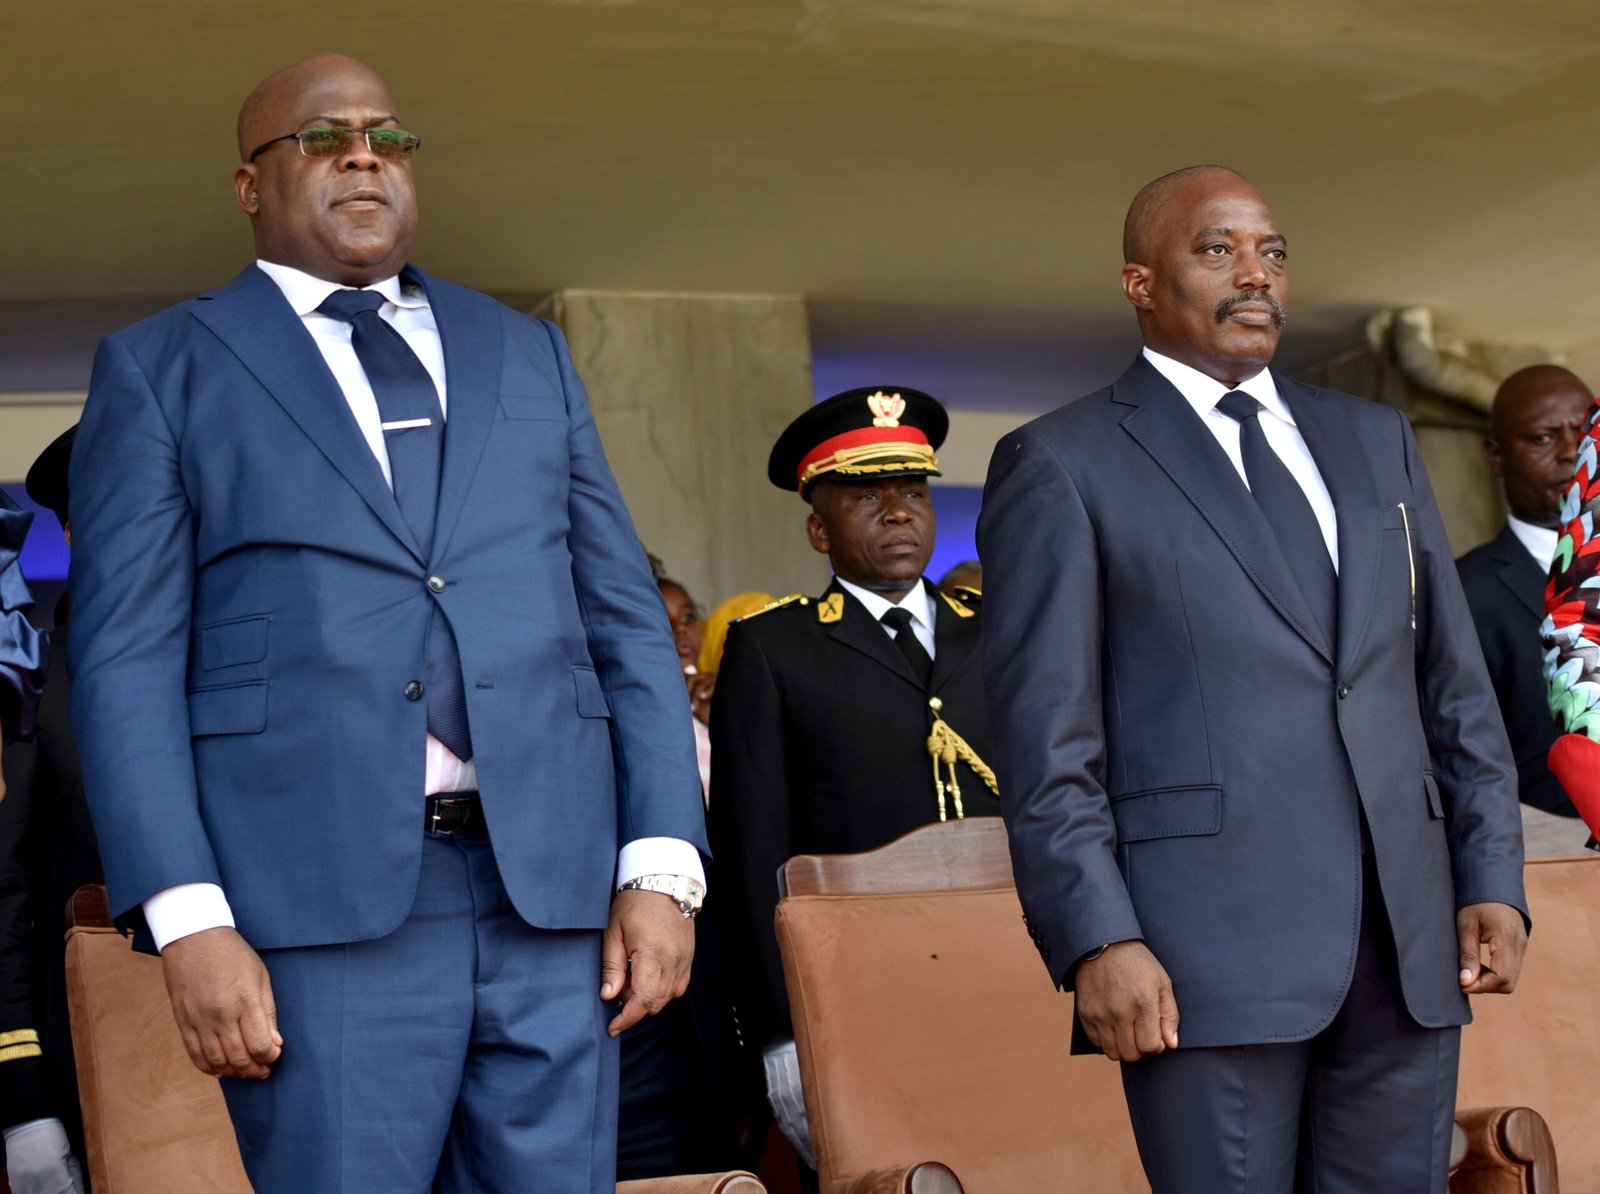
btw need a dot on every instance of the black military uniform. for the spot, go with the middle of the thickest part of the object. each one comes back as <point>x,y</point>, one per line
<point>824,739</point>
<point>47,851</point>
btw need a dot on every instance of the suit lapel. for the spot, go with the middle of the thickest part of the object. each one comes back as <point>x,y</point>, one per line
<point>1348,476</point>
<point>470,331</point>
<point>253,319</point>
<point>1166,426</point>
<point>954,639</point>
<point>1518,570</point>
<point>860,631</point>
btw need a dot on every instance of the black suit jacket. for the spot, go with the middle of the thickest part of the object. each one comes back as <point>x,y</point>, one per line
<point>1187,756</point>
<point>1505,591</point>
<point>819,736</point>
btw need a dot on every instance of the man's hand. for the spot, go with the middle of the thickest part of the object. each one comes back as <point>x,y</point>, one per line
<point>1126,1003</point>
<point>222,999</point>
<point>644,955</point>
<point>1499,929</point>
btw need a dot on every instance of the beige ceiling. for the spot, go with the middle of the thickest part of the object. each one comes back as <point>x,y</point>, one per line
<point>915,168</point>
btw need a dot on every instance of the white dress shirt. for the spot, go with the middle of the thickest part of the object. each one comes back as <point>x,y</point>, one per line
<point>1540,541</point>
<point>1277,423</point>
<point>919,602</point>
<point>192,907</point>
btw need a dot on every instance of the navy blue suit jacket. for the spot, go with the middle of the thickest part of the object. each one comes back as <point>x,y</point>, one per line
<point>249,608</point>
<point>1182,752</point>
<point>1505,591</point>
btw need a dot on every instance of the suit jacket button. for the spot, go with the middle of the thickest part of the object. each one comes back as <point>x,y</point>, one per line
<point>413,690</point>
<point>435,584</point>
<point>1344,691</point>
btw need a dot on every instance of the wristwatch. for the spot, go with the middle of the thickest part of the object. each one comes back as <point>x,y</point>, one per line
<point>688,892</point>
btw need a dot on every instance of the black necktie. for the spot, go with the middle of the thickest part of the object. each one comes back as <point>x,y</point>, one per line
<point>413,435</point>
<point>898,619</point>
<point>1287,511</point>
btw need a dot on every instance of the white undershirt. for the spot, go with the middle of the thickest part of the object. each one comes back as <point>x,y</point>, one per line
<point>1277,423</point>
<point>1540,541</point>
<point>917,602</point>
<point>192,907</point>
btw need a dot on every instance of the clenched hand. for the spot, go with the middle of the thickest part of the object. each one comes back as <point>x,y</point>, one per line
<point>222,998</point>
<point>1125,1001</point>
<point>1499,930</point>
<point>644,955</point>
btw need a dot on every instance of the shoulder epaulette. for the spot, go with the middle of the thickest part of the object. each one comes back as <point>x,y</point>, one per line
<point>962,602</point>
<point>791,599</point>
<point>968,593</point>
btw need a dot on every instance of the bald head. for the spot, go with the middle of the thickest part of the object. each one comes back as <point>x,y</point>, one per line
<point>1149,205</point>
<point>265,104</point>
<point>1534,429</point>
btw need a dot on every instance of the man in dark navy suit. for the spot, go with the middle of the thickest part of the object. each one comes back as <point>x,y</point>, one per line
<point>1255,776</point>
<point>384,738</point>
<point>1535,425</point>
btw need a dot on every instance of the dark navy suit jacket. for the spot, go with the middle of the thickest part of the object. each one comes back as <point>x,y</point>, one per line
<point>1505,591</point>
<point>1183,752</point>
<point>250,608</point>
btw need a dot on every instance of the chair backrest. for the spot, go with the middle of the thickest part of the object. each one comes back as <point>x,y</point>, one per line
<point>152,1122</point>
<point>928,1030</point>
<point>1539,1047</point>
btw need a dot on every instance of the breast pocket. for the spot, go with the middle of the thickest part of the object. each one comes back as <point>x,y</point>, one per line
<point>525,405</point>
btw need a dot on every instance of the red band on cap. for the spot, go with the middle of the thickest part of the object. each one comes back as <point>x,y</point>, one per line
<point>861,437</point>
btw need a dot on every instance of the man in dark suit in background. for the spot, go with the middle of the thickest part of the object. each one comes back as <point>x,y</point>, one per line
<point>1255,775</point>
<point>1535,424</point>
<point>826,709</point>
<point>384,737</point>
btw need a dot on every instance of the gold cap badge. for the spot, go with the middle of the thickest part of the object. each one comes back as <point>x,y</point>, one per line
<point>886,409</point>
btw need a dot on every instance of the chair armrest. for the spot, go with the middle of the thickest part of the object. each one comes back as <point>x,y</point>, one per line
<point>922,1177</point>
<point>88,908</point>
<point>734,1182</point>
<point>1502,1139</point>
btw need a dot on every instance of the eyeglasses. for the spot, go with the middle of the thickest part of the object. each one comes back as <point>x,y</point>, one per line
<point>323,142</point>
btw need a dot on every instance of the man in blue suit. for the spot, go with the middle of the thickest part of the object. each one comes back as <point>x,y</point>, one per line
<point>1254,771</point>
<point>371,687</point>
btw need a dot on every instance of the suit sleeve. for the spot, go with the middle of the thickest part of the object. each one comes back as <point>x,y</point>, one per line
<point>1042,663</point>
<point>1472,759</point>
<point>751,833</point>
<point>132,579</point>
<point>22,1080</point>
<point>1571,633</point>
<point>652,739</point>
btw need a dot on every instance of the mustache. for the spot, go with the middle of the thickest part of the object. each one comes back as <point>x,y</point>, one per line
<point>1280,315</point>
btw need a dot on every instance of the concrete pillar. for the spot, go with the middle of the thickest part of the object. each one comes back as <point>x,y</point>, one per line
<point>690,391</point>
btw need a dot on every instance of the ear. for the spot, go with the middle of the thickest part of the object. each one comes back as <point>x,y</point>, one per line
<point>1136,284</point>
<point>817,532</point>
<point>244,188</point>
<point>1492,453</point>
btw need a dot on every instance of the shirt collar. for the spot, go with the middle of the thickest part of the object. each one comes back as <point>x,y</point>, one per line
<point>916,602</point>
<point>1203,393</point>
<point>1540,541</point>
<point>306,292</point>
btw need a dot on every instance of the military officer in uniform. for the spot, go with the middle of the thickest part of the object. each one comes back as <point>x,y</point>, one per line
<point>843,721</point>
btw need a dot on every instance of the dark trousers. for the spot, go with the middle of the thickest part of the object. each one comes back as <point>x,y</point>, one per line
<point>466,1051</point>
<point>1366,1105</point>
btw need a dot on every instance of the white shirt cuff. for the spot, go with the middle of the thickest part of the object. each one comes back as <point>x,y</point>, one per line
<point>657,856</point>
<point>186,909</point>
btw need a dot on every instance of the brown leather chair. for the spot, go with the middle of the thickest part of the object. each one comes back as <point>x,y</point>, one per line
<point>1541,1046</point>
<point>927,1032</point>
<point>152,1122</point>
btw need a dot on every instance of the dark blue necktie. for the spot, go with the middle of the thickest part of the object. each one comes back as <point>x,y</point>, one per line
<point>898,619</point>
<point>413,435</point>
<point>1287,510</point>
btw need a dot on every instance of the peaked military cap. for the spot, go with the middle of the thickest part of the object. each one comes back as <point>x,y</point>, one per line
<point>47,476</point>
<point>874,431</point>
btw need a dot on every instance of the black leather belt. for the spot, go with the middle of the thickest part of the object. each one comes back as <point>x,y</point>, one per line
<point>454,814</point>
